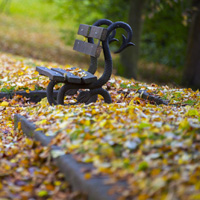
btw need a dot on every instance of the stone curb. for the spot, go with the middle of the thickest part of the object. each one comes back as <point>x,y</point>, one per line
<point>95,187</point>
<point>34,96</point>
<point>37,95</point>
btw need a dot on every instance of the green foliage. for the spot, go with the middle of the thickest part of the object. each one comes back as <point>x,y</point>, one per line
<point>68,36</point>
<point>143,125</point>
<point>8,89</point>
<point>77,10</point>
<point>143,166</point>
<point>190,102</point>
<point>37,87</point>
<point>38,9</point>
<point>164,37</point>
<point>90,10</point>
<point>136,86</point>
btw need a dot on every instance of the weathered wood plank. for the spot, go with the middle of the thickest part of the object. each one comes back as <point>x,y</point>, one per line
<point>84,30</point>
<point>53,75</point>
<point>90,78</point>
<point>98,33</point>
<point>71,78</point>
<point>87,48</point>
<point>92,31</point>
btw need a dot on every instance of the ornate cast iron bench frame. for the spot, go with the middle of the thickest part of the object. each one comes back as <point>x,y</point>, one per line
<point>72,83</point>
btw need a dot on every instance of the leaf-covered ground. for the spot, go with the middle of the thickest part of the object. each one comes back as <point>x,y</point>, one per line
<point>155,148</point>
<point>26,170</point>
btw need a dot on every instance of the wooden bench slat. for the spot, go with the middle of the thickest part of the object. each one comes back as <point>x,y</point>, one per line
<point>53,75</point>
<point>92,31</point>
<point>71,78</point>
<point>90,78</point>
<point>98,33</point>
<point>84,30</point>
<point>87,48</point>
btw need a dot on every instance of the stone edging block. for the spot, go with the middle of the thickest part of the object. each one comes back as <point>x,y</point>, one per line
<point>95,187</point>
<point>34,96</point>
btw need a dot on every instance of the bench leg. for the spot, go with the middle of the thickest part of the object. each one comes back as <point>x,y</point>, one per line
<point>50,93</point>
<point>93,99</point>
<point>91,96</point>
<point>86,97</point>
<point>71,92</point>
<point>104,93</point>
<point>65,89</point>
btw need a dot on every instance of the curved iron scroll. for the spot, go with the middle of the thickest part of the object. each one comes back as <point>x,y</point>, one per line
<point>106,50</point>
<point>93,60</point>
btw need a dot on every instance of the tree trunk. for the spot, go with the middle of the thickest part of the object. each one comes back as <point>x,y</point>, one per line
<point>130,56</point>
<point>191,76</point>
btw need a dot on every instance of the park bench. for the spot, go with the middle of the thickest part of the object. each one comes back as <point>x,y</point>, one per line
<point>76,79</point>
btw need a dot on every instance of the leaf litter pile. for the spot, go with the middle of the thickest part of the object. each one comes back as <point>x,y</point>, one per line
<point>26,170</point>
<point>154,148</point>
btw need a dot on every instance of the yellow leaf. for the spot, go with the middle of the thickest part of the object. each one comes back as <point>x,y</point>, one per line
<point>184,124</point>
<point>57,153</point>
<point>39,129</point>
<point>87,123</point>
<point>106,150</point>
<point>19,126</point>
<point>195,196</point>
<point>73,146</point>
<point>102,123</point>
<point>57,183</point>
<point>44,121</point>
<point>192,112</point>
<point>44,102</point>
<point>197,185</point>
<point>32,87</point>
<point>87,176</point>
<point>155,172</point>
<point>4,103</point>
<point>132,102</point>
<point>143,197</point>
<point>29,142</point>
<point>42,193</point>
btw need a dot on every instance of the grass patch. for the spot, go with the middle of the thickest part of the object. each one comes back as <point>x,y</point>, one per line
<point>8,89</point>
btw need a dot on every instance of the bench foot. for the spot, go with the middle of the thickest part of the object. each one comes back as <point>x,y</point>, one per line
<point>104,93</point>
<point>71,92</point>
<point>50,98</point>
<point>92,99</point>
<point>84,96</point>
<point>61,93</point>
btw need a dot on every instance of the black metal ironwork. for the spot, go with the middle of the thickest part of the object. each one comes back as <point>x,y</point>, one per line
<point>93,60</point>
<point>94,87</point>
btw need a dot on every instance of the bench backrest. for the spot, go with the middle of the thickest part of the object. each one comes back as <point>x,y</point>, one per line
<point>92,31</point>
<point>88,31</point>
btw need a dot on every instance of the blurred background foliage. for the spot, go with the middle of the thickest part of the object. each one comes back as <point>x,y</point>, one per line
<point>163,39</point>
<point>164,35</point>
